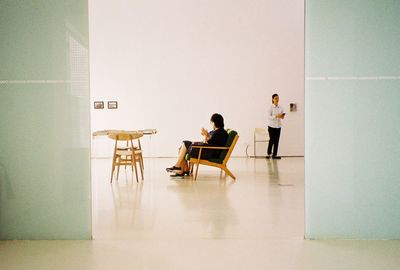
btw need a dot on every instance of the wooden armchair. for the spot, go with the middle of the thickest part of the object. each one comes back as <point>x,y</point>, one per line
<point>217,162</point>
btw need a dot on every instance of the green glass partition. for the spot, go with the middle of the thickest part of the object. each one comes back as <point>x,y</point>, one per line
<point>352,119</point>
<point>44,120</point>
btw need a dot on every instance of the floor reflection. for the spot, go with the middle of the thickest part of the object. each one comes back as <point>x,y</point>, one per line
<point>255,205</point>
<point>207,204</point>
<point>128,198</point>
<point>273,170</point>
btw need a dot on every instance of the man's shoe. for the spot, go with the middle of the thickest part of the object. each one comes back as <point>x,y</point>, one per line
<point>276,157</point>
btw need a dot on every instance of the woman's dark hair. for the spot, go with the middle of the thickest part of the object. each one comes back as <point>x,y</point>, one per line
<point>218,120</point>
<point>273,96</point>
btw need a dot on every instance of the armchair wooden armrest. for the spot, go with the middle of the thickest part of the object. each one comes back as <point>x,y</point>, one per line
<point>209,147</point>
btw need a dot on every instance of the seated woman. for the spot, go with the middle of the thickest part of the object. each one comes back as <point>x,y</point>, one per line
<point>217,137</point>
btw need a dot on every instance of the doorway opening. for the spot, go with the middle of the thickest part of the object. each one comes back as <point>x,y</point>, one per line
<point>170,74</point>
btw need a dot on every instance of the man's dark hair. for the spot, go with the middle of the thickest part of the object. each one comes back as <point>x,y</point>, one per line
<point>218,120</point>
<point>274,95</point>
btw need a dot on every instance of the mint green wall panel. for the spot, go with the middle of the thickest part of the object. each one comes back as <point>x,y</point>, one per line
<point>352,119</point>
<point>44,120</point>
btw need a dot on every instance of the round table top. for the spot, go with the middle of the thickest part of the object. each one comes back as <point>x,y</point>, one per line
<point>108,132</point>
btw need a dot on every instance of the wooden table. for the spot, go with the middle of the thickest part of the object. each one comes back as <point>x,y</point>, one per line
<point>134,135</point>
<point>128,155</point>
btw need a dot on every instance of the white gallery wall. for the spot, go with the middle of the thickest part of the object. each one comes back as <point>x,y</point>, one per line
<point>170,64</point>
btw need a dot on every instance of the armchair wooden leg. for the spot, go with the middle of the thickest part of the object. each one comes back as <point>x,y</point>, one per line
<point>197,164</point>
<point>191,166</point>
<point>228,172</point>
<point>197,169</point>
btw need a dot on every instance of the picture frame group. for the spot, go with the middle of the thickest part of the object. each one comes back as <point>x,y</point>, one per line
<point>111,105</point>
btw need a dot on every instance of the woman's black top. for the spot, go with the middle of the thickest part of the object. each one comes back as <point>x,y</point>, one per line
<point>218,137</point>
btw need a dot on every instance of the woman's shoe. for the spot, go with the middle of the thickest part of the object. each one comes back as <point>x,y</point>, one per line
<point>178,175</point>
<point>173,168</point>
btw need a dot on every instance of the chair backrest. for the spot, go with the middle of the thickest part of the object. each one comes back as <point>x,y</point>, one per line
<point>125,136</point>
<point>261,131</point>
<point>231,142</point>
<point>260,135</point>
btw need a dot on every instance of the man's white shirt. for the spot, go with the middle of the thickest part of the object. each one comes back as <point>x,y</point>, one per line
<point>272,120</point>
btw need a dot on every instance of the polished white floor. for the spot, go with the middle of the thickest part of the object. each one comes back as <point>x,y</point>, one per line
<point>255,222</point>
<point>266,201</point>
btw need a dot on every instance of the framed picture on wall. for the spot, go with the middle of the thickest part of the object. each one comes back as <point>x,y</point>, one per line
<point>98,105</point>
<point>112,105</point>
<point>293,107</point>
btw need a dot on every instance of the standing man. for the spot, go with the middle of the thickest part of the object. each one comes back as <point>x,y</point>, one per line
<point>275,114</point>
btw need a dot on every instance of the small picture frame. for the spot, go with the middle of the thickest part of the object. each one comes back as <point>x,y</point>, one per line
<point>98,105</point>
<point>293,107</point>
<point>112,105</point>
